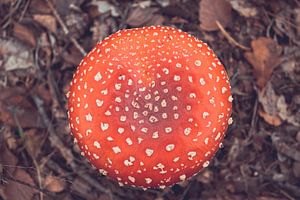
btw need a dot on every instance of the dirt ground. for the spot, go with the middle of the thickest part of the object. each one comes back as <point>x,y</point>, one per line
<point>42,42</point>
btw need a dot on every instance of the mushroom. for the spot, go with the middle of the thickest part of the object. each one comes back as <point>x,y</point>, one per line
<point>149,106</point>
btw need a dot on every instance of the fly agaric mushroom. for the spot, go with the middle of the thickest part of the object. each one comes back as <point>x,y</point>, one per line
<point>149,106</point>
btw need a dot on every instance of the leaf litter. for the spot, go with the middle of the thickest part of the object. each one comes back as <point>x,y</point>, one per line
<point>260,158</point>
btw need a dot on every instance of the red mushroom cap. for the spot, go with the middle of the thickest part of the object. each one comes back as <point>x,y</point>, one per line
<point>150,106</point>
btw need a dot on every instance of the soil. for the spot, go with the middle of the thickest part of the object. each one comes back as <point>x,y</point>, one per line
<point>42,42</point>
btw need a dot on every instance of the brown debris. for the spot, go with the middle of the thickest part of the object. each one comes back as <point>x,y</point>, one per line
<point>264,59</point>
<point>144,17</point>
<point>25,34</point>
<point>15,55</point>
<point>15,109</point>
<point>212,11</point>
<point>54,184</point>
<point>41,43</point>
<point>47,21</point>
<point>20,186</point>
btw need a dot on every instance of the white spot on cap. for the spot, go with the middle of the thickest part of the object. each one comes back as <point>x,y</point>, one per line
<point>155,135</point>
<point>187,131</point>
<point>230,121</point>
<point>120,130</point>
<point>132,179</point>
<point>176,78</point>
<point>178,65</point>
<point>170,147</point>
<point>182,177</point>
<point>202,81</point>
<point>116,149</point>
<point>99,103</point>
<point>218,136</point>
<point>88,117</point>
<point>224,89</point>
<point>191,155</point>
<point>148,180</point>
<point>230,99</point>
<point>205,114</point>
<point>123,118</point>
<point>205,164</point>
<point>168,129</point>
<point>102,171</point>
<point>104,126</point>
<point>97,145</point>
<point>129,141</point>
<point>198,63</point>
<point>107,113</point>
<point>96,156</point>
<point>118,86</point>
<point>98,76</point>
<point>206,140</point>
<point>163,103</point>
<point>149,152</point>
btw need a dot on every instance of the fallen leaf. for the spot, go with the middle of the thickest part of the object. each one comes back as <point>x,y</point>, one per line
<point>244,8</point>
<point>212,11</point>
<point>54,184</point>
<point>25,34</point>
<point>15,55</point>
<point>268,101</point>
<point>38,6</point>
<point>47,21</point>
<point>19,191</point>
<point>270,119</point>
<point>104,6</point>
<point>264,59</point>
<point>99,30</point>
<point>144,17</point>
<point>9,137</point>
<point>7,159</point>
<point>34,141</point>
<point>16,108</point>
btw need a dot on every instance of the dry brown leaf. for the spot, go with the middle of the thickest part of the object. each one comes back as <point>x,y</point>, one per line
<point>17,191</point>
<point>244,8</point>
<point>7,159</point>
<point>212,11</point>
<point>47,21</point>
<point>38,6</point>
<point>34,141</point>
<point>99,30</point>
<point>264,58</point>
<point>54,184</point>
<point>144,17</point>
<point>14,107</point>
<point>269,110</point>
<point>270,119</point>
<point>25,34</point>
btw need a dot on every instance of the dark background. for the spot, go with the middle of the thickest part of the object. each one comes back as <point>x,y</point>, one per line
<point>42,42</point>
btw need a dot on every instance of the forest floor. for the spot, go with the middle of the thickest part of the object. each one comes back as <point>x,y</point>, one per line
<point>42,42</point>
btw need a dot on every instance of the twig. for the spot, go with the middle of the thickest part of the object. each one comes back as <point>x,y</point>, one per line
<point>87,178</point>
<point>44,191</point>
<point>54,139</point>
<point>29,150</point>
<point>229,38</point>
<point>64,27</point>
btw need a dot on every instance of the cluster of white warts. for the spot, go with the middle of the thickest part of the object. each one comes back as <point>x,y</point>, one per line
<point>150,108</point>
